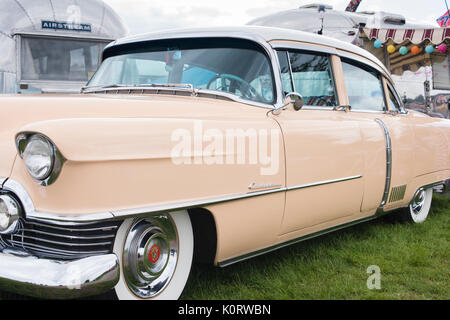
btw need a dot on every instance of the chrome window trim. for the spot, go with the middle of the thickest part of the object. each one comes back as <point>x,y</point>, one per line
<point>306,107</point>
<point>360,60</point>
<point>258,40</point>
<point>163,90</point>
<point>311,52</point>
<point>283,45</point>
<point>288,45</point>
<point>268,38</point>
<point>380,75</point>
<point>277,45</point>
<point>368,111</point>
<point>397,97</point>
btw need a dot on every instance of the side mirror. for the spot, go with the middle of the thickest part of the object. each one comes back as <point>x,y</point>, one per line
<point>294,100</point>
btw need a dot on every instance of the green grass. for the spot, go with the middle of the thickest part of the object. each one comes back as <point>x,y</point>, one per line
<point>414,262</point>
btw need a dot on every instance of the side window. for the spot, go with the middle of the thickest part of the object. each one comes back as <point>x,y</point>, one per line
<point>313,78</point>
<point>285,72</point>
<point>394,102</point>
<point>364,88</point>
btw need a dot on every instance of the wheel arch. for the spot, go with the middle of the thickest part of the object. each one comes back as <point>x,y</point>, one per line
<point>205,235</point>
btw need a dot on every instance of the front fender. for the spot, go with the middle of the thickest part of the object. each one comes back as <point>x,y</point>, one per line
<point>127,163</point>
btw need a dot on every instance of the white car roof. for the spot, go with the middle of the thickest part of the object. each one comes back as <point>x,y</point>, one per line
<point>256,33</point>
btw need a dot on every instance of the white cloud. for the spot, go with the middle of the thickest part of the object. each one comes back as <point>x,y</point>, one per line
<point>152,15</point>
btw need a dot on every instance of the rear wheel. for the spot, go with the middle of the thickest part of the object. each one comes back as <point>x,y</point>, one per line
<point>155,256</point>
<point>419,208</point>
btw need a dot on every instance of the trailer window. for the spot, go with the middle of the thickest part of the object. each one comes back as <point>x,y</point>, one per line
<point>52,59</point>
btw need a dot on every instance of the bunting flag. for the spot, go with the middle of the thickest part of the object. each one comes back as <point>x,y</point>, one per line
<point>416,36</point>
<point>353,5</point>
<point>444,20</point>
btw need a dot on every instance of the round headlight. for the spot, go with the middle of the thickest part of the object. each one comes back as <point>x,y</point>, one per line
<point>9,214</point>
<point>39,157</point>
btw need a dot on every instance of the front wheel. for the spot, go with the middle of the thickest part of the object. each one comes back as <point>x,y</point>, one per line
<point>419,208</point>
<point>155,256</point>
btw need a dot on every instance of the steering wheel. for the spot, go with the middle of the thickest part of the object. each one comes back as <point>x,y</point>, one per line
<point>235,83</point>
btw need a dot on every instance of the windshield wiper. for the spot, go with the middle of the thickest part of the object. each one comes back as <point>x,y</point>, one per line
<point>170,86</point>
<point>94,88</point>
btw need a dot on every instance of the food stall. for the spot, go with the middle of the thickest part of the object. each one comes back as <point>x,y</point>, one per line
<point>53,46</point>
<point>419,62</point>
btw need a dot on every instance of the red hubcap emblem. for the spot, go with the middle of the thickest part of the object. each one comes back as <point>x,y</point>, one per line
<point>154,253</point>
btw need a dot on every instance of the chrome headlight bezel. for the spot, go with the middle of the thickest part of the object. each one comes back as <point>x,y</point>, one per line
<point>51,174</point>
<point>13,213</point>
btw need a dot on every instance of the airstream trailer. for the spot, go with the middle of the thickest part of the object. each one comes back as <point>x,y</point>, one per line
<point>342,25</point>
<point>53,46</point>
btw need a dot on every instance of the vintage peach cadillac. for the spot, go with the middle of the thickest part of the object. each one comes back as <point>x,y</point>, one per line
<point>210,145</point>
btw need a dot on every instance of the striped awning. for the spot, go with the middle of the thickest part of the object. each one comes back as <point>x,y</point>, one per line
<point>416,36</point>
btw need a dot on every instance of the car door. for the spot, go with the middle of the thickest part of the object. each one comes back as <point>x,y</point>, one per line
<point>324,159</point>
<point>369,99</point>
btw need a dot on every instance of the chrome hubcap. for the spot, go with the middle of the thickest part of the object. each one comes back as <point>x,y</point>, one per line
<point>150,255</point>
<point>418,202</point>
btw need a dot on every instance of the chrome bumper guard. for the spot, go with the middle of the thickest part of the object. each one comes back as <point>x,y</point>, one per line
<point>55,279</point>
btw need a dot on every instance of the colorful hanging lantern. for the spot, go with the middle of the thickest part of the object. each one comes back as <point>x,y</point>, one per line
<point>403,50</point>
<point>391,48</point>
<point>442,48</point>
<point>415,50</point>
<point>377,44</point>
<point>429,49</point>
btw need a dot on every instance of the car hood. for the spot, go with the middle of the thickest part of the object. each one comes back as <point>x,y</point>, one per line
<point>89,127</point>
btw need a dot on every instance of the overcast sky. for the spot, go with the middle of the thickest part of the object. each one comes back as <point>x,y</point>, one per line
<point>152,15</point>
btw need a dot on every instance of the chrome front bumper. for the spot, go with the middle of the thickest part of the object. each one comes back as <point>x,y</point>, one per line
<point>54,279</point>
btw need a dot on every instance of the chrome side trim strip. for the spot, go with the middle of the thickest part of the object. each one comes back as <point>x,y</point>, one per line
<point>387,138</point>
<point>210,201</point>
<point>231,261</point>
<point>380,212</point>
<point>30,211</point>
<point>101,216</point>
<point>309,185</point>
<point>192,204</point>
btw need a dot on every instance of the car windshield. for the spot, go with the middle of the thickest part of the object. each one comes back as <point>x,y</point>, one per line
<point>236,67</point>
<point>60,59</point>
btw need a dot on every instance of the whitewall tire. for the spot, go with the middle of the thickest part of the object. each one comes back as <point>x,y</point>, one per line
<point>155,255</point>
<point>419,208</point>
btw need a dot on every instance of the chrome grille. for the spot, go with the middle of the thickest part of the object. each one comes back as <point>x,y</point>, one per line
<point>63,240</point>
